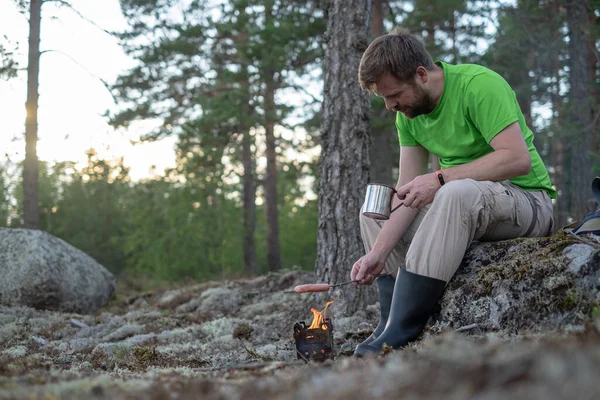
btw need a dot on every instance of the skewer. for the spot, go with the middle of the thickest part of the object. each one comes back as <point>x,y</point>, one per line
<point>321,287</point>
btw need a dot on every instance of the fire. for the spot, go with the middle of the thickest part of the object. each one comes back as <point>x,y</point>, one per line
<point>319,318</point>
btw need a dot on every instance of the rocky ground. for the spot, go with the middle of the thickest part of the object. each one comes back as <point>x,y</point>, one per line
<point>520,320</point>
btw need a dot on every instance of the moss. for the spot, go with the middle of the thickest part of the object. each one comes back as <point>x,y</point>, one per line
<point>595,311</point>
<point>118,300</point>
<point>120,352</point>
<point>243,331</point>
<point>101,360</point>
<point>250,296</point>
<point>193,361</point>
<point>571,300</point>
<point>556,248</point>
<point>197,317</point>
<point>52,333</point>
<point>522,270</point>
<point>386,350</point>
<point>254,354</point>
<point>487,278</point>
<point>146,356</point>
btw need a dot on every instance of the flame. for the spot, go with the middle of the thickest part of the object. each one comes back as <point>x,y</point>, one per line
<point>319,318</point>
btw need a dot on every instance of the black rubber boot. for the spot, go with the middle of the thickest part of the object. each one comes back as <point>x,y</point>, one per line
<point>385,285</point>
<point>412,305</point>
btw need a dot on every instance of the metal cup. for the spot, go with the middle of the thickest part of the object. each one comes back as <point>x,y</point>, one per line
<point>378,201</point>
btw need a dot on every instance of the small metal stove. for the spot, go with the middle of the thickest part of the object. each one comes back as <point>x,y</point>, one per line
<point>314,344</point>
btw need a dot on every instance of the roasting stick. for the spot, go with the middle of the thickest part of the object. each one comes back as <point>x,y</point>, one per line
<point>320,287</point>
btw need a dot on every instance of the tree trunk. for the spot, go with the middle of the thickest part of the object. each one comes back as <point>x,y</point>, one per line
<point>581,110</point>
<point>428,24</point>
<point>594,93</point>
<point>558,151</point>
<point>31,217</point>
<point>248,158</point>
<point>380,149</point>
<point>272,211</point>
<point>273,257</point>
<point>377,19</point>
<point>453,36</point>
<point>558,142</point>
<point>344,162</point>
<point>524,98</point>
<point>249,204</point>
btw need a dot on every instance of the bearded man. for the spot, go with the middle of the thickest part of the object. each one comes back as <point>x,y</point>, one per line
<point>492,184</point>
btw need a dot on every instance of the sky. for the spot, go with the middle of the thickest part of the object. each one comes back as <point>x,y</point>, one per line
<point>72,97</point>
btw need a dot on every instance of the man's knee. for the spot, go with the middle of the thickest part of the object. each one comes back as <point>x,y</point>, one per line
<point>466,191</point>
<point>368,227</point>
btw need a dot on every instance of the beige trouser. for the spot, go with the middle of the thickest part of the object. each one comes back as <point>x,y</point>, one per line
<point>462,211</point>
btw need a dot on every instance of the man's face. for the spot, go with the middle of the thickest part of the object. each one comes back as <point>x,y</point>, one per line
<point>411,99</point>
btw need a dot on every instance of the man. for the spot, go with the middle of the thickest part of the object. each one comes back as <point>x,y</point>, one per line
<point>492,184</point>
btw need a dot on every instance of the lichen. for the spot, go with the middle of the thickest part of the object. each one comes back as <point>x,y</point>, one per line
<point>517,304</point>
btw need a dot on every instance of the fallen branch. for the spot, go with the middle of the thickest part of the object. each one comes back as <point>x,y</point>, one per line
<point>467,327</point>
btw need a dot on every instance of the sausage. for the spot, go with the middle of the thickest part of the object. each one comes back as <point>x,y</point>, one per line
<point>312,287</point>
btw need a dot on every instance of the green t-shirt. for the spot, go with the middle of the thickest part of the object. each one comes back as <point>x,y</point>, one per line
<point>475,106</point>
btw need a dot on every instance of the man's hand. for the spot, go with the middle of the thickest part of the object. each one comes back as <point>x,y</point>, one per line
<point>367,268</point>
<point>419,192</point>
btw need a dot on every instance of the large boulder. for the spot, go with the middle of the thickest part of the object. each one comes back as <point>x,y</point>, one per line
<point>525,285</point>
<point>42,271</point>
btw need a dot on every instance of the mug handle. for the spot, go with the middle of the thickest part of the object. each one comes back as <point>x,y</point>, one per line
<point>398,206</point>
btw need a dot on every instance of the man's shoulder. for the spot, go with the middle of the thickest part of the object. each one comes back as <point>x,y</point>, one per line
<point>467,73</point>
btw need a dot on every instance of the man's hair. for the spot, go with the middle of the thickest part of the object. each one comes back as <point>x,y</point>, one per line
<point>398,53</point>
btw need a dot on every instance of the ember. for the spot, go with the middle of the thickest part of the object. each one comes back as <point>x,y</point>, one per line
<point>315,342</point>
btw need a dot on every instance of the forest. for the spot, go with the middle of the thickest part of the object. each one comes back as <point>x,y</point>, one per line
<point>240,84</point>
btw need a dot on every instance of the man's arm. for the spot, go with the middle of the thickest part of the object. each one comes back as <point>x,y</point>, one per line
<point>509,159</point>
<point>413,162</point>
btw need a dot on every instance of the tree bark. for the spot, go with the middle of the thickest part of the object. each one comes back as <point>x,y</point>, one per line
<point>248,158</point>
<point>249,204</point>
<point>380,149</point>
<point>271,205</point>
<point>249,187</point>
<point>272,209</point>
<point>344,162</point>
<point>581,110</point>
<point>31,217</point>
<point>377,19</point>
<point>593,67</point>
<point>558,151</point>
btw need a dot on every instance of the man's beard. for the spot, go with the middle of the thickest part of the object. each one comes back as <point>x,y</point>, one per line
<point>423,105</point>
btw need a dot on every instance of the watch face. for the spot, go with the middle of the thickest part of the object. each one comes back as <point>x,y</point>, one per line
<point>440,177</point>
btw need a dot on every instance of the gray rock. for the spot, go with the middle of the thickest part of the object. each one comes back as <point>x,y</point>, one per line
<point>39,340</point>
<point>44,272</point>
<point>519,285</point>
<point>78,323</point>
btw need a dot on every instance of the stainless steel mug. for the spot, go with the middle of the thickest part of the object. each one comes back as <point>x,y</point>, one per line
<point>378,201</point>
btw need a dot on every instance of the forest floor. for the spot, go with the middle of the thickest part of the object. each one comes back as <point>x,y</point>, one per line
<point>234,340</point>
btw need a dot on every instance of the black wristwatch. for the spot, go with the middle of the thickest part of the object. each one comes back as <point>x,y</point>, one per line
<point>440,177</point>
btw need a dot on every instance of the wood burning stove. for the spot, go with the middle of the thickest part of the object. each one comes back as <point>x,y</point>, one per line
<point>314,343</point>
